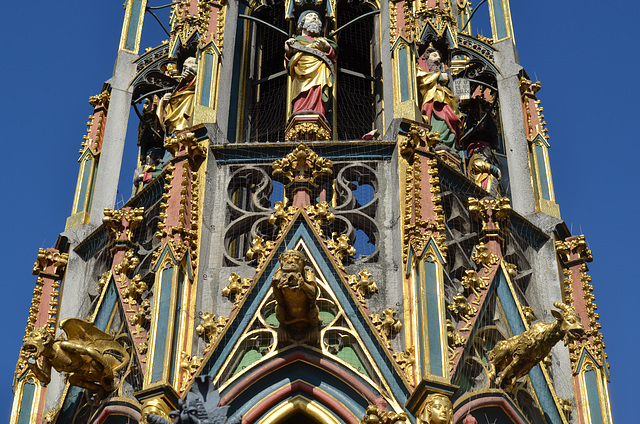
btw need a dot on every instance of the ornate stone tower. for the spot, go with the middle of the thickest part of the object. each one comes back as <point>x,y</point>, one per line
<point>343,212</point>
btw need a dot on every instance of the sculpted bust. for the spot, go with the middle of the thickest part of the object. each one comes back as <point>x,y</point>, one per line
<point>437,410</point>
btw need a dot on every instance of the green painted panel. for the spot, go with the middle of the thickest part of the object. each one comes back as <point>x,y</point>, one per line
<point>498,13</point>
<point>404,77</point>
<point>163,324</point>
<point>84,184</point>
<point>542,170</point>
<point>207,78</point>
<point>248,358</point>
<point>593,398</point>
<point>26,403</point>
<point>433,317</point>
<point>132,30</point>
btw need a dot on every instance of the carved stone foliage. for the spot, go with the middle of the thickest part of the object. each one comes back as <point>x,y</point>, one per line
<point>375,416</point>
<point>236,288</point>
<point>210,328</point>
<point>363,285</point>
<point>387,325</point>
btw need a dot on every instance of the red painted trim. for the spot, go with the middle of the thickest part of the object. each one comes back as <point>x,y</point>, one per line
<point>117,410</point>
<point>278,363</point>
<point>314,393</point>
<point>501,402</point>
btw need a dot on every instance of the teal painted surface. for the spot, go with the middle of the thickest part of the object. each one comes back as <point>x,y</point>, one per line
<point>176,326</point>
<point>420,307</point>
<point>207,78</point>
<point>404,78</point>
<point>163,325</point>
<point>516,324</point>
<point>133,25</point>
<point>542,168</point>
<point>84,183</point>
<point>106,308</point>
<point>93,184</point>
<point>433,317</point>
<point>300,230</point>
<point>26,403</point>
<point>498,13</point>
<point>593,398</point>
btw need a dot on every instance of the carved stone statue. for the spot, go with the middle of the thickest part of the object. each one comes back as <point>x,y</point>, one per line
<point>309,60</point>
<point>152,167</point>
<point>438,104</point>
<point>91,357</point>
<point>513,358</point>
<point>200,406</point>
<point>175,109</point>
<point>481,168</point>
<point>295,290</point>
<point>437,410</point>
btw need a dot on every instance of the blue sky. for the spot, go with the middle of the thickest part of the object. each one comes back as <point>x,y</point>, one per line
<point>57,54</point>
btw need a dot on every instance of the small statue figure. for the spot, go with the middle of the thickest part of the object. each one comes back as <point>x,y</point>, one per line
<point>152,168</point>
<point>91,357</point>
<point>200,406</point>
<point>309,60</point>
<point>175,109</point>
<point>513,358</point>
<point>295,290</point>
<point>481,168</point>
<point>438,104</point>
<point>437,410</point>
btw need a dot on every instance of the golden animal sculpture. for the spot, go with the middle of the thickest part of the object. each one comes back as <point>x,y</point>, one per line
<point>91,357</point>
<point>295,290</point>
<point>513,358</point>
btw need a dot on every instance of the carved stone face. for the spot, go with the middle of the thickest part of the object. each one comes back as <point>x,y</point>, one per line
<point>312,23</point>
<point>292,261</point>
<point>438,410</point>
<point>36,342</point>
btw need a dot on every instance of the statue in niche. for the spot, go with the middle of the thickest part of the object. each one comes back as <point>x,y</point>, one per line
<point>296,290</point>
<point>437,410</point>
<point>438,104</point>
<point>309,59</point>
<point>91,357</point>
<point>152,167</point>
<point>175,109</point>
<point>481,168</point>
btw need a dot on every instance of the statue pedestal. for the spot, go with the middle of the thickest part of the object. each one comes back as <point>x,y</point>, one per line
<point>307,127</point>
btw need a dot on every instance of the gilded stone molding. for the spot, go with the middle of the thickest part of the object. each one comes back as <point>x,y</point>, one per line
<point>187,143</point>
<point>311,131</point>
<point>406,361</point>
<point>282,216</point>
<point>576,246</point>
<point>47,258</point>
<point>482,256</point>
<point>101,99</point>
<point>494,215</point>
<point>211,328</point>
<point>340,247</point>
<point>375,416</point>
<point>387,325</point>
<point>363,286</point>
<point>189,366</point>
<point>236,288</point>
<point>132,291</point>
<point>140,319</point>
<point>302,165</point>
<point>122,222</point>
<point>454,341</point>
<point>461,307</point>
<point>185,25</point>
<point>471,281</point>
<point>320,215</point>
<point>260,249</point>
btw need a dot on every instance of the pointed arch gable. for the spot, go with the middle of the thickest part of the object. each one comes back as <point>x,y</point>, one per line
<point>302,230</point>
